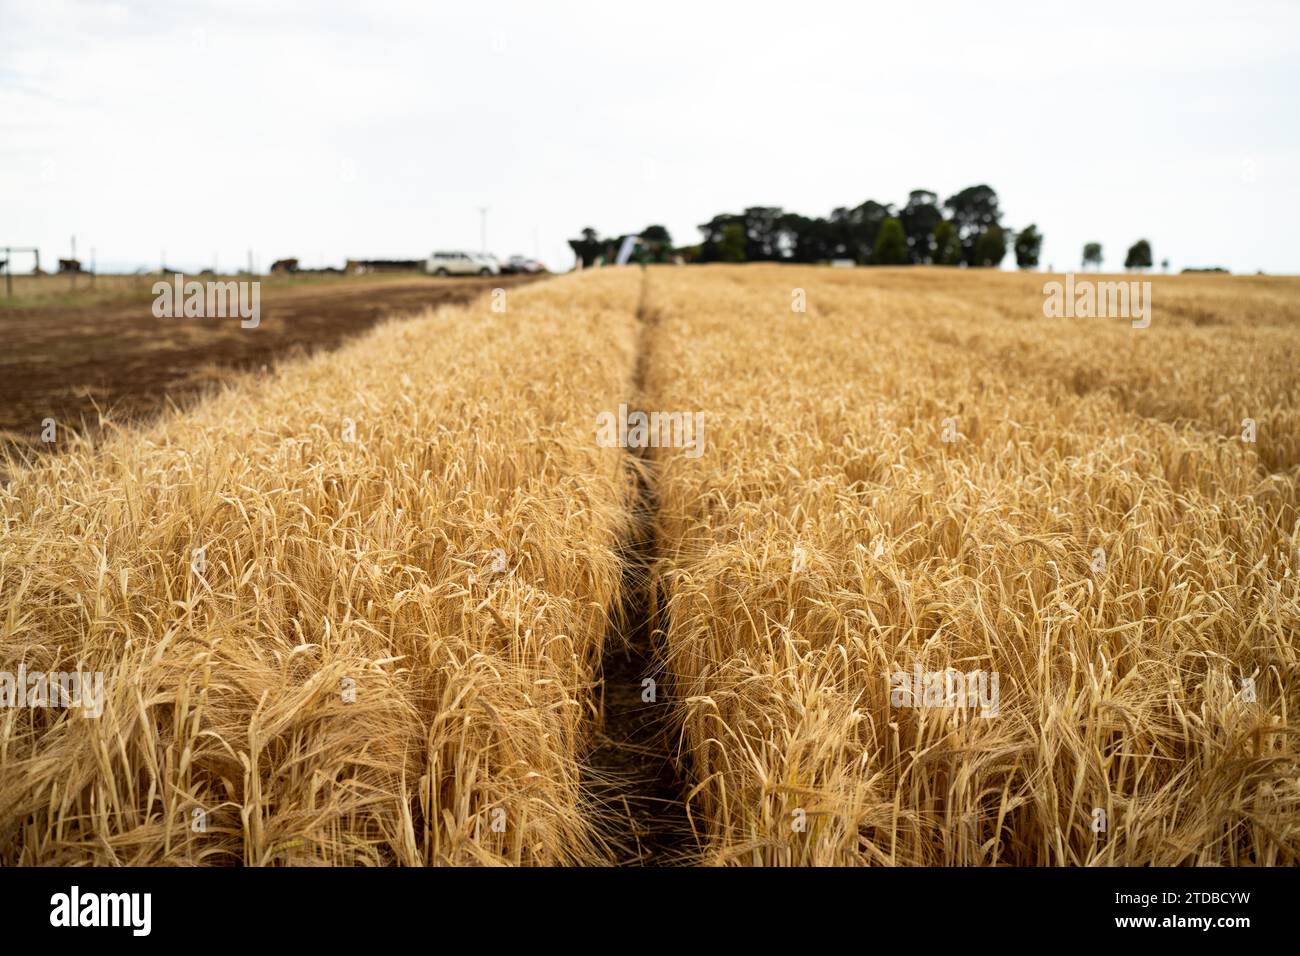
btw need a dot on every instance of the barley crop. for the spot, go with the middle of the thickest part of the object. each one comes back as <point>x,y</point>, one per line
<point>347,614</point>
<point>922,472</point>
<point>353,612</point>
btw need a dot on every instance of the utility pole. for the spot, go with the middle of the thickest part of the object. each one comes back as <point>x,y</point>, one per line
<point>482,229</point>
<point>72,270</point>
<point>92,267</point>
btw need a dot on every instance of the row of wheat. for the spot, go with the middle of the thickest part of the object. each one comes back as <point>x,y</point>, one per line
<point>347,615</point>
<point>919,475</point>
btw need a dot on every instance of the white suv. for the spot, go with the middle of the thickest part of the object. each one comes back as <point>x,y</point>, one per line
<point>460,263</point>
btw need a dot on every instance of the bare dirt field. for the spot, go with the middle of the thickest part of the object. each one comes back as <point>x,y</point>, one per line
<point>73,356</point>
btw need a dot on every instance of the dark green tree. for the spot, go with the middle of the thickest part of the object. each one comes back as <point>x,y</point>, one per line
<point>854,230</point>
<point>947,247</point>
<point>1139,255</point>
<point>800,239</point>
<point>1029,243</point>
<point>973,211</point>
<point>990,247</point>
<point>731,248</point>
<point>656,245</point>
<point>711,246</point>
<point>920,217</point>
<point>1092,255</point>
<point>891,244</point>
<point>761,232</point>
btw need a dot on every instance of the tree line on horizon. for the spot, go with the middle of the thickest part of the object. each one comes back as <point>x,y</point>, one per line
<point>965,229</point>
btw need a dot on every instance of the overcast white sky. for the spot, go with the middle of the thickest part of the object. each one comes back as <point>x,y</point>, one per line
<point>376,129</point>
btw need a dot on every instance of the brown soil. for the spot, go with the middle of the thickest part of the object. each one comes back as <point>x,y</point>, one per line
<point>631,772</point>
<point>72,362</point>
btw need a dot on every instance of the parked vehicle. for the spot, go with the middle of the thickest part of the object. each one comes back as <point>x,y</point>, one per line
<point>460,264</point>
<point>489,260</point>
<point>522,264</point>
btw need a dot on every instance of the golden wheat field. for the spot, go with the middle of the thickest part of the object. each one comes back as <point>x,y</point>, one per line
<point>366,610</point>
<point>1094,532</point>
<point>410,548</point>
